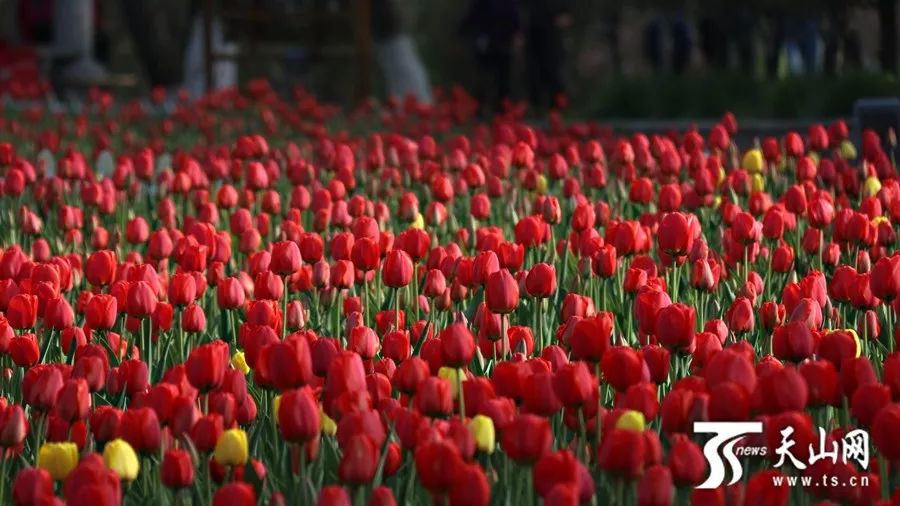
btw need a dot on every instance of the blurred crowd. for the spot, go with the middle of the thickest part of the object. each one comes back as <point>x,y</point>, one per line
<point>517,48</point>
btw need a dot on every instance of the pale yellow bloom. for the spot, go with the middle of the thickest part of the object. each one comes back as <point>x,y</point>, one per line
<point>119,456</point>
<point>541,184</point>
<point>58,459</point>
<point>239,362</point>
<point>753,161</point>
<point>482,429</point>
<point>757,183</point>
<point>872,186</point>
<point>631,420</point>
<point>453,376</point>
<point>848,150</point>
<point>232,448</point>
<point>329,427</point>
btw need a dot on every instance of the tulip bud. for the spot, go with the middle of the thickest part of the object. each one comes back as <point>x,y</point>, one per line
<point>58,459</point>
<point>231,448</point>
<point>120,457</point>
<point>177,469</point>
<point>482,429</point>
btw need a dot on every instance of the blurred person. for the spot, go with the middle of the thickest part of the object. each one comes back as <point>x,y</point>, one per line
<point>396,52</point>
<point>544,51</point>
<point>160,32</point>
<point>491,27</point>
<point>80,49</point>
<point>672,25</point>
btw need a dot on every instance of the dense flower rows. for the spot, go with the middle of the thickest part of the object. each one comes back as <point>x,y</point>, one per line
<point>249,300</point>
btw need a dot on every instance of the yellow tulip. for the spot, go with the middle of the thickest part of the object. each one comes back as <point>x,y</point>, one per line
<point>232,448</point>
<point>878,220</point>
<point>855,340</point>
<point>482,429</point>
<point>58,459</point>
<point>872,186</point>
<point>541,184</point>
<point>239,362</point>
<point>631,420</point>
<point>276,405</point>
<point>848,150</point>
<point>119,456</point>
<point>758,183</point>
<point>329,427</point>
<point>721,175</point>
<point>418,222</point>
<point>753,161</point>
<point>453,376</point>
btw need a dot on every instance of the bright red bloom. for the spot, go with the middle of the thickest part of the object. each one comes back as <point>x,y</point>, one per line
<point>675,326</point>
<point>177,469</point>
<point>206,365</point>
<point>397,270</point>
<point>527,438</point>
<point>22,311</point>
<point>501,292</point>
<point>298,416</point>
<point>286,258</point>
<point>100,268</point>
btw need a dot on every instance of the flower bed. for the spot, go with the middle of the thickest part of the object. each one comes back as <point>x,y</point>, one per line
<point>249,300</point>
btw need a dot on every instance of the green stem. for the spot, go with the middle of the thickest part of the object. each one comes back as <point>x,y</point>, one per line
<point>462,398</point>
<point>284,304</point>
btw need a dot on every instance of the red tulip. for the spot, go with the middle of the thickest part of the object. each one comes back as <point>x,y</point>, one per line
<point>235,494</point>
<point>686,461</point>
<point>359,461</point>
<point>206,431</point>
<point>101,312</point>
<point>397,270</point>
<point>539,396</point>
<point>177,469</point>
<point>655,487</point>
<point>286,364</point>
<point>675,326</point>
<point>457,345</point>
<point>22,311</point>
<point>647,305</point>
<point>675,236</point>
<point>74,400</point>
<point>141,301</point>
<point>182,289</point>
<point>541,281</point>
<point>140,428</point>
<point>622,367</point>
<point>883,431</point>
<point>437,462</point>
<point>286,258</point>
<point>58,314</point>
<point>229,293</point>
<point>590,337</point>
<point>740,316</point>
<point>434,397</point>
<point>33,485</point>
<point>206,365</point>
<point>13,426</point>
<point>527,438</point>
<point>298,416</point>
<point>24,350</point>
<point>100,268</point>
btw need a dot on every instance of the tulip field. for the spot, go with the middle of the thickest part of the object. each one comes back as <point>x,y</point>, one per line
<point>253,299</point>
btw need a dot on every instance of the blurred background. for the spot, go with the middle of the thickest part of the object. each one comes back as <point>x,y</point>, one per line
<point>602,58</point>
